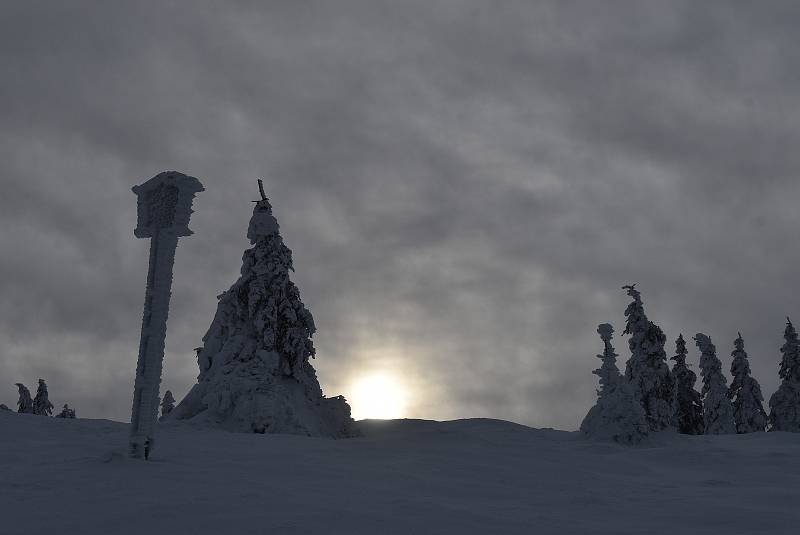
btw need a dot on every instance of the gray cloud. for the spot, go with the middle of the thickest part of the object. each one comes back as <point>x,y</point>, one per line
<point>465,185</point>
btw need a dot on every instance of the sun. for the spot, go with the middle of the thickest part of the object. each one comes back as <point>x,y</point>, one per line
<point>379,396</point>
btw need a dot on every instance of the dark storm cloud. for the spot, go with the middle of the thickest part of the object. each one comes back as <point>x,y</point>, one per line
<point>465,185</point>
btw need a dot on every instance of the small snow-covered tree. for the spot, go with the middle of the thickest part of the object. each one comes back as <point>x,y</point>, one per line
<point>25,403</point>
<point>4,407</point>
<point>745,393</point>
<point>647,370</point>
<point>717,408</point>
<point>689,403</point>
<point>167,404</point>
<point>617,414</point>
<point>41,403</point>
<point>784,405</point>
<point>66,412</point>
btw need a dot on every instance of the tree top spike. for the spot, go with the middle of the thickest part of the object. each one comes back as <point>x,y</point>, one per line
<point>261,189</point>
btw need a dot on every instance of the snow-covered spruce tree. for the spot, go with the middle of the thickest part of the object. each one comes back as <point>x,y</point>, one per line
<point>745,393</point>
<point>25,403</point>
<point>717,408</point>
<point>41,403</point>
<point>784,405</point>
<point>66,412</point>
<point>617,415</point>
<point>167,404</point>
<point>689,403</point>
<point>647,370</point>
<point>255,374</point>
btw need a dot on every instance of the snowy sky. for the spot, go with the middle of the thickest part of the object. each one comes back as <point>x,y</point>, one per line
<point>465,185</point>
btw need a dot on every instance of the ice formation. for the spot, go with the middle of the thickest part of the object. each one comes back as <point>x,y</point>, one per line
<point>255,374</point>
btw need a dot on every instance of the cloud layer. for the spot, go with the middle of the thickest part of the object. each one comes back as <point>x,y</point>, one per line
<point>465,185</point>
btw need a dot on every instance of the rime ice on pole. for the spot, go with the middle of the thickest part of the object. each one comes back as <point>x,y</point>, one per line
<point>255,374</point>
<point>164,208</point>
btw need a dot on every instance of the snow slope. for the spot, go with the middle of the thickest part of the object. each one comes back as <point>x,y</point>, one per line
<point>404,476</point>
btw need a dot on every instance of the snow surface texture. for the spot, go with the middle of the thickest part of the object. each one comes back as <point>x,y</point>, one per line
<point>255,374</point>
<point>63,476</point>
<point>617,415</point>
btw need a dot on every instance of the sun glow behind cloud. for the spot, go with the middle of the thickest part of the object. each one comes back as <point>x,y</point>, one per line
<point>378,396</point>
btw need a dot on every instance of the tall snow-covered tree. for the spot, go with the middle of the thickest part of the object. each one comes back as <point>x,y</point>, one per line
<point>647,370</point>
<point>25,403</point>
<point>255,374</point>
<point>784,404</point>
<point>717,408</point>
<point>689,403</point>
<point>41,403</point>
<point>617,415</point>
<point>745,393</point>
<point>167,404</point>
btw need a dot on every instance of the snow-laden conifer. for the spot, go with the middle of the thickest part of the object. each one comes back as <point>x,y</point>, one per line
<point>66,412</point>
<point>167,404</point>
<point>717,408</point>
<point>784,405</point>
<point>617,414</point>
<point>689,403</point>
<point>255,374</point>
<point>41,403</point>
<point>745,393</point>
<point>647,370</point>
<point>25,403</point>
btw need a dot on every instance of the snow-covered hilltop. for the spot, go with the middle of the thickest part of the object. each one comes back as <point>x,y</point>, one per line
<point>404,476</point>
<point>255,374</point>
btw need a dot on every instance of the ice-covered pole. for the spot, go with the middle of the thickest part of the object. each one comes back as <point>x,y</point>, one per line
<point>164,208</point>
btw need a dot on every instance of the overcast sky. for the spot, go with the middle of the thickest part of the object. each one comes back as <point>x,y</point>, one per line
<point>464,185</point>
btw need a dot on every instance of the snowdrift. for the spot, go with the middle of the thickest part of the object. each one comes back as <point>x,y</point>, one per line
<point>405,476</point>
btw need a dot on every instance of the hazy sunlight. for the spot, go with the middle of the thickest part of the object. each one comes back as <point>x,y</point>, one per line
<point>379,396</point>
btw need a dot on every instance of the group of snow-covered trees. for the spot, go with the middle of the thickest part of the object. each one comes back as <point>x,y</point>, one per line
<point>649,397</point>
<point>40,404</point>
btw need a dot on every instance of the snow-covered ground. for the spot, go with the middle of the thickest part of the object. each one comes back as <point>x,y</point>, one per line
<point>404,476</point>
